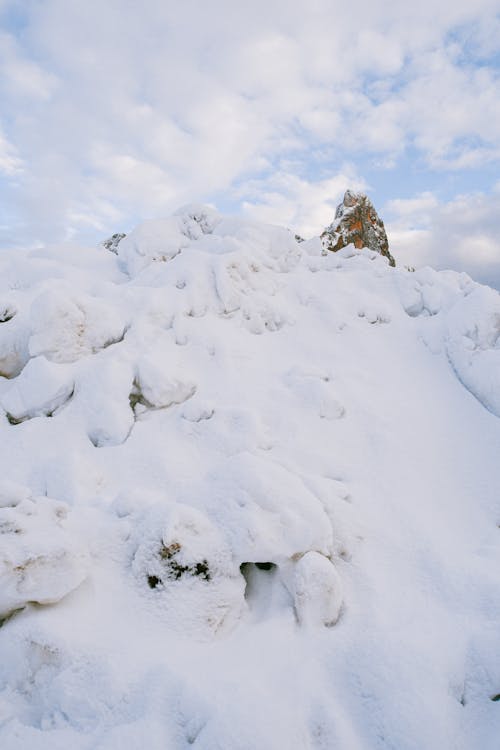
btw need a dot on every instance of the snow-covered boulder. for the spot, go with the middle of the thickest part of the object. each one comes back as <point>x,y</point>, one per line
<point>184,568</point>
<point>160,240</point>
<point>103,401</point>
<point>14,338</point>
<point>40,390</point>
<point>161,379</point>
<point>66,326</point>
<point>317,588</point>
<point>41,561</point>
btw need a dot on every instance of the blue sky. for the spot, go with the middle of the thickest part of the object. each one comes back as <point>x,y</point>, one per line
<point>116,111</point>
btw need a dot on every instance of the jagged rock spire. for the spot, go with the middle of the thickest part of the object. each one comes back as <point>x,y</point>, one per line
<point>357,222</point>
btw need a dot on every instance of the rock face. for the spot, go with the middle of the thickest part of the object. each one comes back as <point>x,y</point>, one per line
<point>357,222</point>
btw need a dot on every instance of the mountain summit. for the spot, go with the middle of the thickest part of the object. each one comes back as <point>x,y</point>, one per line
<point>357,222</point>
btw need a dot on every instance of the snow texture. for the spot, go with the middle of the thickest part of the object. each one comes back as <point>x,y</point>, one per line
<point>249,498</point>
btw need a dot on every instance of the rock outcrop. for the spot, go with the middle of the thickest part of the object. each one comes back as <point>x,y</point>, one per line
<point>357,222</point>
<point>112,242</point>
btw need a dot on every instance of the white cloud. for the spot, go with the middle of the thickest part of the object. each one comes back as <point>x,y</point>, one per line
<point>305,207</point>
<point>20,77</point>
<point>10,163</point>
<point>145,106</point>
<point>461,234</point>
<point>419,209</point>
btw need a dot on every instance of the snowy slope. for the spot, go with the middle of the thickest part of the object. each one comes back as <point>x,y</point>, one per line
<point>249,497</point>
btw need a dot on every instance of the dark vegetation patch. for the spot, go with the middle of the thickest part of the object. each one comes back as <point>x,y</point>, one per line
<point>174,569</point>
<point>137,397</point>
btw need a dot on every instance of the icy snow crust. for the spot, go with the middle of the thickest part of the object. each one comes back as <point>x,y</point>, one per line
<point>249,496</point>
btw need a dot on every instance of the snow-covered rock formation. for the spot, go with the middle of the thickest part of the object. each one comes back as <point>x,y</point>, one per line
<point>246,477</point>
<point>112,242</point>
<point>356,222</point>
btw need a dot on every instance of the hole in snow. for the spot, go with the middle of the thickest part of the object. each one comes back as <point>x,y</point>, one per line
<point>265,591</point>
<point>258,577</point>
<point>265,565</point>
<point>247,569</point>
<point>153,582</point>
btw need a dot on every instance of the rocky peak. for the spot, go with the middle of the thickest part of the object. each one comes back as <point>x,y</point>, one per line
<point>357,222</point>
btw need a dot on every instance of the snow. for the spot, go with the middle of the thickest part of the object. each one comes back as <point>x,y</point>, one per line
<point>40,390</point>
<point>249,496</point>
<point>40,561</point>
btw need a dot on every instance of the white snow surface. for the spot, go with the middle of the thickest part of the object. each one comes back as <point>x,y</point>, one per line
<point>249,496</point>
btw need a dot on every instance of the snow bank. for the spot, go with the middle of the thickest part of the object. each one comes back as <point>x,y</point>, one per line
<point>474,345</point>
<point>242,477</point>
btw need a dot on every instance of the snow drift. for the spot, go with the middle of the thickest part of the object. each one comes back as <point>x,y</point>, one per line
<point>249,496</point>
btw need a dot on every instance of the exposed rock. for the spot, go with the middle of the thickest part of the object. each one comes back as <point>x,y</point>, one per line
<point>112,242</point>
<point>357,222</point>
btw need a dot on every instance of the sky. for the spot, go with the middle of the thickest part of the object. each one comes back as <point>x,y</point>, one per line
<point>116,111</point>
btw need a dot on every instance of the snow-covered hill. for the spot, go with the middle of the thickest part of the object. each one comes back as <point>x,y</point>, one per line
<point>249,496</point>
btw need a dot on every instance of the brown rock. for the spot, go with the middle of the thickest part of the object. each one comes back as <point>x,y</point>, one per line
<point>357,222</point>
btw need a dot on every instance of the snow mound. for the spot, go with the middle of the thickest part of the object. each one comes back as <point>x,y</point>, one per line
<point>14,337</point>
<point>40,560</point>
<point>40,390</point>
<point>66,326</point>
<point>318,590</point>
<point>242,476</point>
<point>191,580</point>
<point>163,239</point>
<point>473,345</point>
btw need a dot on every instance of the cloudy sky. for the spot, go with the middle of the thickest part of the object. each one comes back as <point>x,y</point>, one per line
<point>113,111</point>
